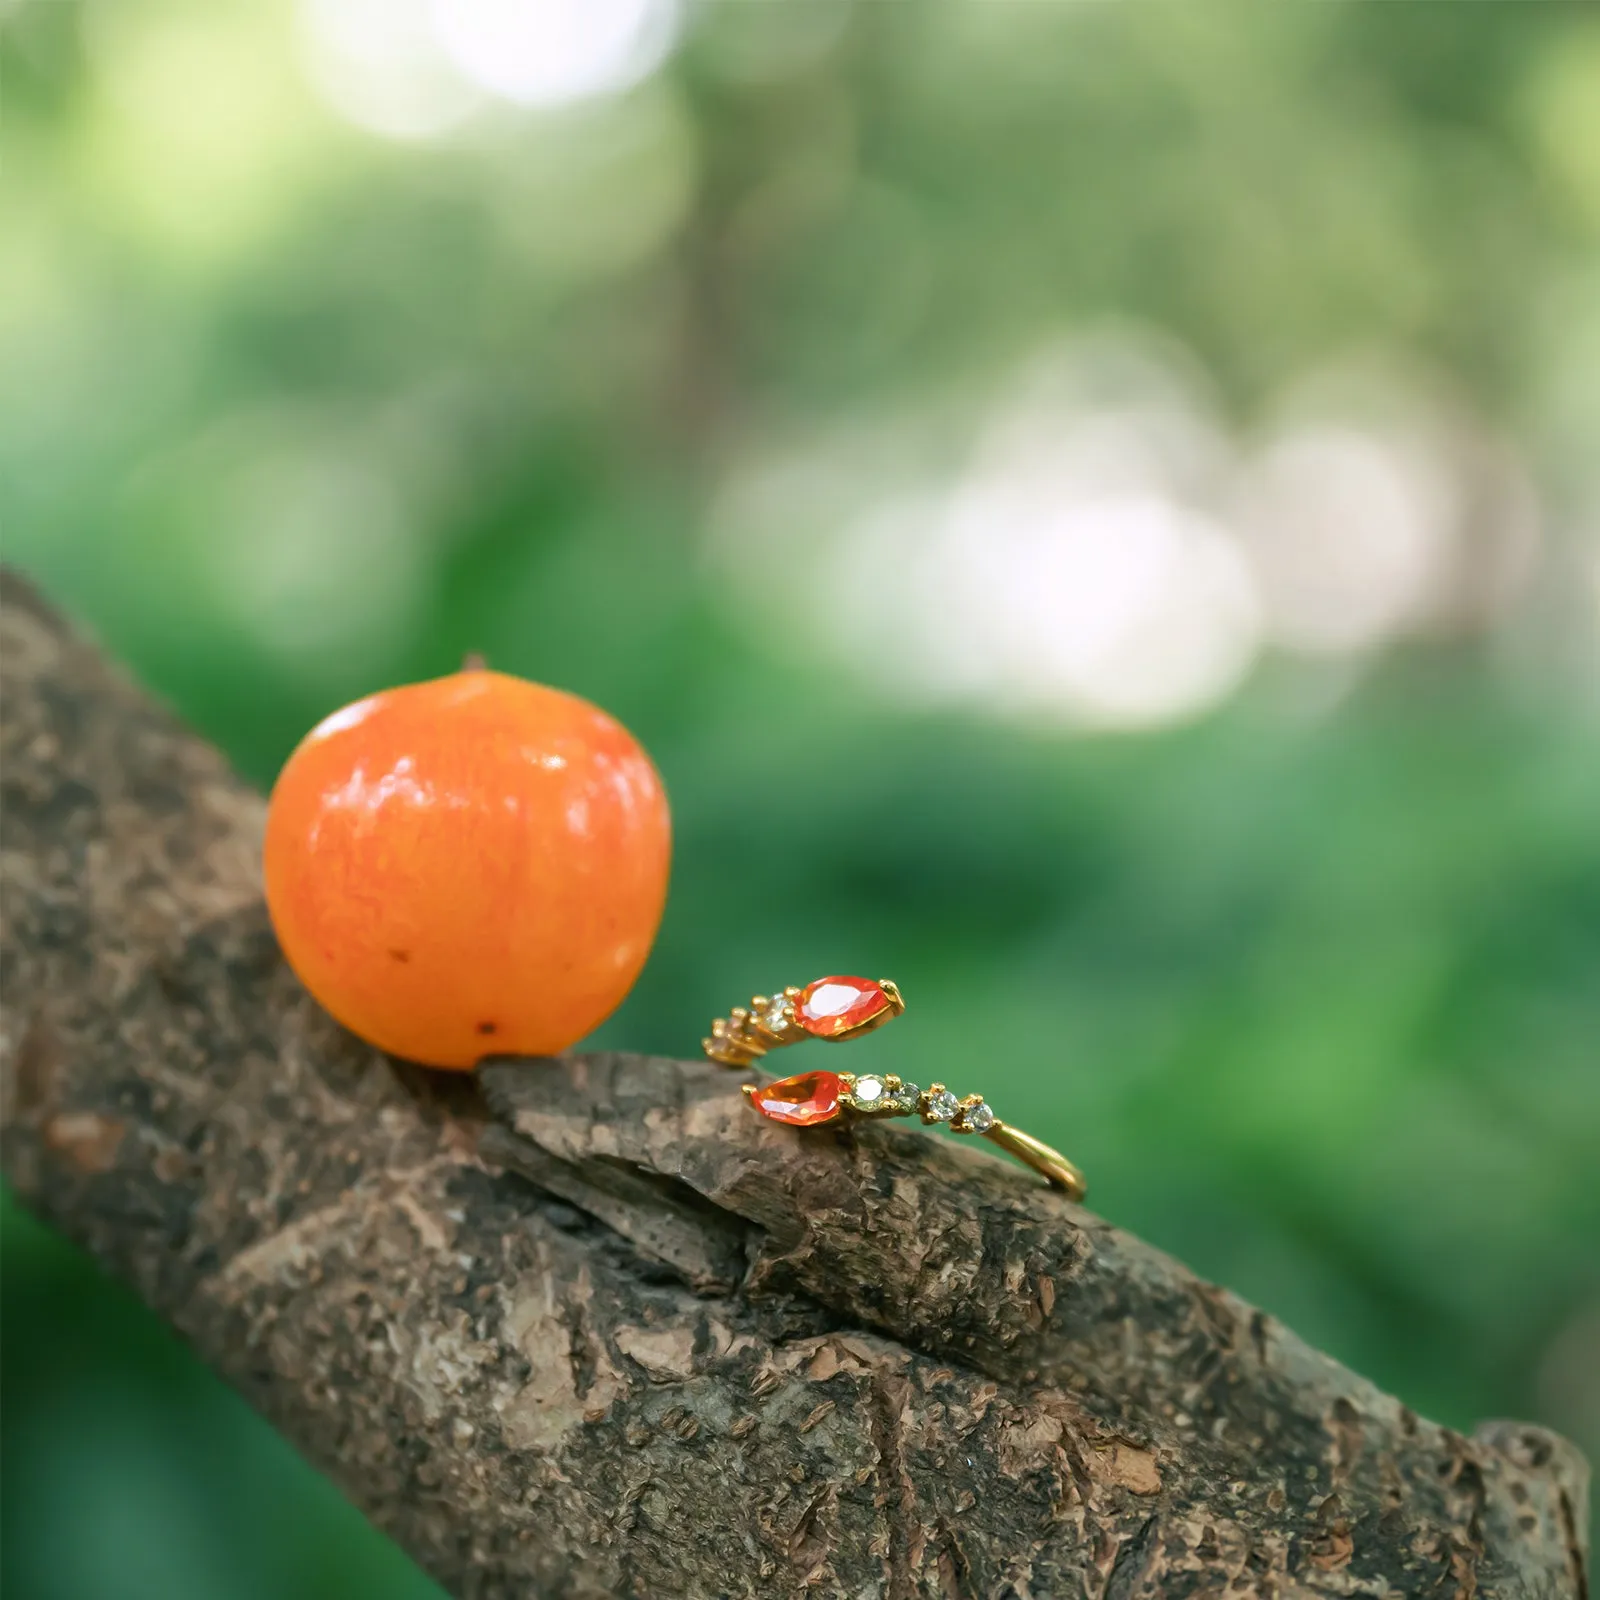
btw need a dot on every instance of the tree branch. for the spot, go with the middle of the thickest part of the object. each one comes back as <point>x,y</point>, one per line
<point>587,1327</point>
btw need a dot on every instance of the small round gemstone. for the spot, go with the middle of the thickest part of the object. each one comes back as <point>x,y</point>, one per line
<point>778,1015</point>
<point>906,1096</point>
<point>979,1118</point>
<point>941,1105</point>
<point>802,1101</point>
<point>832,1006</point>
<point>868,1090</point>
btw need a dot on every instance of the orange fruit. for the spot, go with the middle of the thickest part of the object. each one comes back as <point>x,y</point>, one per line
<point>468,867</point>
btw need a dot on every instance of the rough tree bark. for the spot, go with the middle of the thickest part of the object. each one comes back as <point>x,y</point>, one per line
<point>588,1328</point>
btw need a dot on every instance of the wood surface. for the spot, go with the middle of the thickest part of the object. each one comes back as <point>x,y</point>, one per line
<point>589,1327</point>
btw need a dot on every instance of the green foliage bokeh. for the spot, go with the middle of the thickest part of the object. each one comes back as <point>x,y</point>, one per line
<point>1309,984</point>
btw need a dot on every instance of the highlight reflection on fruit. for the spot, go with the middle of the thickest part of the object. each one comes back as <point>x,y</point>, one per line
<point>471,866</point>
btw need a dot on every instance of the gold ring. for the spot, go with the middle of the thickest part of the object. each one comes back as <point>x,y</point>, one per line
<point>845,1008</point>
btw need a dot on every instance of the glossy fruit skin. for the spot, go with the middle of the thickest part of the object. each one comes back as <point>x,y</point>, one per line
<point>471,866</point>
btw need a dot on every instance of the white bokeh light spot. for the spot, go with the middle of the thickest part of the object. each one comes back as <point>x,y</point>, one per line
<point>379,64</point>
<point>554,52</point>
<point>1117,612</point>
<point>1073,572</point>
<point>1352,537</point>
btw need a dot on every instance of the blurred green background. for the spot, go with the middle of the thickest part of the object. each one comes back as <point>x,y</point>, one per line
<point>1095,510</point>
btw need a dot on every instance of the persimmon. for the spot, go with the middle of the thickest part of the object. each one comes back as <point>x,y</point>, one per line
<point>471,866</point>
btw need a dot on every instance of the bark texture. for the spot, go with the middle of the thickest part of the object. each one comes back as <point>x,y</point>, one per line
<point>588,1328</point>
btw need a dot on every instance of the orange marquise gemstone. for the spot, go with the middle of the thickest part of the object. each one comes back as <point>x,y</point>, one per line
<point>832,1006</point>
<point>803,1100</point>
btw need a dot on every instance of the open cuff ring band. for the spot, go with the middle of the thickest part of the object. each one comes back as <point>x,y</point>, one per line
<point>845,1008</point>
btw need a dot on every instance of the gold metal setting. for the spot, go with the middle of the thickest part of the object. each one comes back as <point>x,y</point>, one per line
<point>810,1099</point>
<point>745,1036</point>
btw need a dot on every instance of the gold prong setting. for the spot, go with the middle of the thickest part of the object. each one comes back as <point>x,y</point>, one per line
<point>829,1009</point>
<point>887,1095</point>
<point>871,1094</point>
<point>826,1010</point>
<point>974,1116</point>
<point>745,1035</point>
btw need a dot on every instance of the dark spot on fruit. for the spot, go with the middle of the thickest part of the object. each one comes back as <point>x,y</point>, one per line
<point>400,955</point>
<point>486,1027</point>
